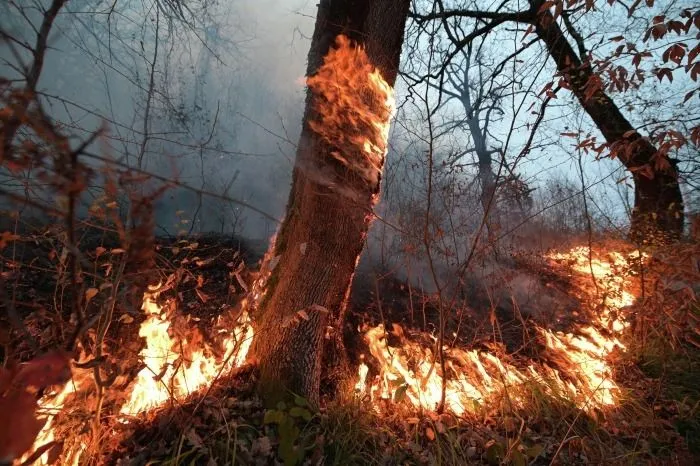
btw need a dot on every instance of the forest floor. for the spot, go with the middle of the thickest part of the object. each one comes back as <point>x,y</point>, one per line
<point>656,421</point>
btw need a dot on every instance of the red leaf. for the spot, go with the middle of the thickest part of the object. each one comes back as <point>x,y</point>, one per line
<point>18,424</point>
<point>5,379</point>
<point>660,73</point>
<point>50,369</point>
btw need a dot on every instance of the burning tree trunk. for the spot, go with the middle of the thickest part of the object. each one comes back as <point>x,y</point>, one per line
<point>658,202</point>
<point>353,63</point>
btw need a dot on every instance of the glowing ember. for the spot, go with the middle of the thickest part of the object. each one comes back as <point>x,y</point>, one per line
<point>169,374</point>
<point>354,106</point>
<point>581,372</point>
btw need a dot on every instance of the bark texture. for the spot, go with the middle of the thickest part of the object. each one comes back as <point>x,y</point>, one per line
<point>328,213</point>
<point>658,202</point>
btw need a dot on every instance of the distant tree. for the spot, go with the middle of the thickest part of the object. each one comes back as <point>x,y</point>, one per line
<point>329,209</point>
<point>658,208</point>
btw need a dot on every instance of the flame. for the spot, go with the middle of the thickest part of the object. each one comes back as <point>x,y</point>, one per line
<point>168,374</point>
<point>48,407</point>
<point>581,371</point>
<point>353,106</point>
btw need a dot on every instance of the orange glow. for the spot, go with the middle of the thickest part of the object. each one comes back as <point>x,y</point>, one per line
<point>581,371</point>
<point>169,374</point>
<point>49,406</point>
<point>353,106</point>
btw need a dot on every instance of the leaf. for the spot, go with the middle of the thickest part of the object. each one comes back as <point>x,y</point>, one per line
<point>89,294</point>
<point>18,424</point>
<point>273,416</point>
<point>430,433</point>
<point>661,72</point>
<point>303,314</point>
<point>99,251</point>
<point>534,451</point>
<point>5,379</point>
<point>518,459</point>
<point>298,411</point>
<point>117,251</point>
<point>50,369</point>
<point>7,237</point>
<point>300,401</point>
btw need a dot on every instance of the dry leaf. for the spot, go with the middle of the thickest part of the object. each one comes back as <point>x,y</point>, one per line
<point>430,433</point>
<point>89,294</point>
<point>303,314</point>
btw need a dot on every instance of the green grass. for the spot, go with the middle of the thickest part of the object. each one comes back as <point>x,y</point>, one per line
<point>677,372</point>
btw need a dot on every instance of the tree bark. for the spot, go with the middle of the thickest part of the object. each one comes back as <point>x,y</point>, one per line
<point>658,202</point>
<point>328,214</point>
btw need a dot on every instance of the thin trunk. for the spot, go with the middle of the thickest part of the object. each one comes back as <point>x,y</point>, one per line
<point>486,176</point>
<point>328,214</point>
<point>658,203</point>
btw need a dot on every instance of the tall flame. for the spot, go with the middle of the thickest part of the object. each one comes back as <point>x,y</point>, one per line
<point>581,370</point>
<point>353,106</point>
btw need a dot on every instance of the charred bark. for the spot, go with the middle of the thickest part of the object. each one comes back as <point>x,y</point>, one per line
<point>328,214</point>
<point>658,202</point>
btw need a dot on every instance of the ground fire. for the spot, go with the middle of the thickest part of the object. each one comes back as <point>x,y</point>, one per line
<point>575,365</point>
<point>465,241</point>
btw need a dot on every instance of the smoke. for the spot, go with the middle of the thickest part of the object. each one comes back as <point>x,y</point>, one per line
<point>214,101</point>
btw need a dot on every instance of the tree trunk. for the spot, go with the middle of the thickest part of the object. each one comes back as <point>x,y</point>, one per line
<point>486,176</point>
<point>328,214</point>
<point>658,202</point>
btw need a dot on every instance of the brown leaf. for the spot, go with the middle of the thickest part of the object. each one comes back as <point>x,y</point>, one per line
<point>430,433</point>
<point>89,294</point>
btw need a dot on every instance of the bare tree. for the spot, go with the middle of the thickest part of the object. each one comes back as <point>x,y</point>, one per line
<point>658,209</point>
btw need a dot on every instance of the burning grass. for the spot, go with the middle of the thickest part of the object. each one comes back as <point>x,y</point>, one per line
<point>569,399</point>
